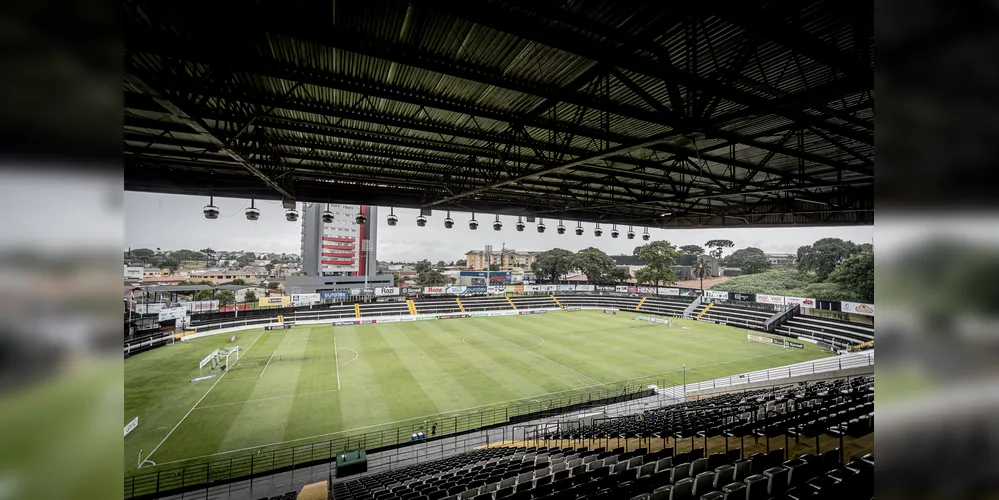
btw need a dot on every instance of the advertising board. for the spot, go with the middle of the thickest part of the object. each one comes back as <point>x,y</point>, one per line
<point>132,425</point>
<point>857,308</point>
<point>281,326</point>
<point>605,288</point>
<point>334,295</point>
<point>715,295</point>
<point>532,288</point>
<point>675,292</point>
<point>151,308</point>
<point>770,299</point>
<point>742,297</point>
<point>433,290</point>
<point>172,313</point>
<point>280,301</point>
<point>387,290</point>
<point>800,301</point>
<point>457,290</point>
<point>647,289</point>
<point>305,299</point>
<point>566,288</point>
<point>452,316</point>
<point>585,288</point>
<point>500,289</point>
<point>413,290</point>
<point>476,289</point>
<point>632,289</point>
<point>610,311</point>
<point>533,311</point>
<point>621,289</point>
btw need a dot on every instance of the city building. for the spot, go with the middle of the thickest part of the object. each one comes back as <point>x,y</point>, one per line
<point>781,260</point>
<point>341,247</point>
<point>506,259</point>
<point>133,272</point>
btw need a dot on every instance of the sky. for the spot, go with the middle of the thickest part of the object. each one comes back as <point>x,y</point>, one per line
<point>174,222</point>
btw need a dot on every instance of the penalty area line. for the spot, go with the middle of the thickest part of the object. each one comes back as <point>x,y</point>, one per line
<point>196,404</point>
<point>268,363</point>
<point>336,360</point>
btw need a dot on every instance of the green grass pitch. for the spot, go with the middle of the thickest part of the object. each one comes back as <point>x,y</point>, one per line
<point>313,383</point>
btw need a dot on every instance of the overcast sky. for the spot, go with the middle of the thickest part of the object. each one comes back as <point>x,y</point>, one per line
<point>174,222</point>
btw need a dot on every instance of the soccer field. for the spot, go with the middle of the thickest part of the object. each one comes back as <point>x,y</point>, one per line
<point>313,383</point>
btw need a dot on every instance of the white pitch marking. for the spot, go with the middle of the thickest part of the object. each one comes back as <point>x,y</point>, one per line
<point>543,357</point>
<point>268,363</point>
<point>196,404</point>
<point>336,360</point>
<point>356,355</point>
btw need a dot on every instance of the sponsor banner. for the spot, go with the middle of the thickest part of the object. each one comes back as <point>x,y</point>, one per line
<point>647,289</point>
<point>433,289</point>
<point>549,288</point>
<point>497,289</point>
<point>233,338</point>
<point>477,274</point>
<point>201,306</point>
<point>334,295</point>
<point>531,288</point>
<point>355,291</point>
<point>605,288</point>
<point>425,318</point>
<point>770,299</point>
<point>689,292</point>
<point>208,359</point>
<point>172,313</point>
<point>585,288</point>
<point>800,301</point>
<point>132,425</point>
<point>632,289</point>
<point>621,289</point>
<point>206,377</point>
<point>668,291</point>
<point>533,311</point>
<point>457,290</point>
<point>387,290</point>
<point>280,301</point>
<point>304,299</point>
<point>151,308</point>
<point>715,295</point>
<point>566,288</point>
<point>760,339</point>
<point>369,291</point>
<point>479,315</point>
<point>572,309</point>
<point>476,289</point>
<point>742,297</point>
<point>367,321</point>
<point>410,318</point>
<point>345,323</point>
<point>412,290</point>
<point>282,326</point>
<point>389,320</point>
<point>610,311</point>
<point>516,289</point>
<point>452,316</point>
<point>857,308</point>
<point>504,313</point>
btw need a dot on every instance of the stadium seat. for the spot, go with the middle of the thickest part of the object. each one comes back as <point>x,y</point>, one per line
<point>681,489</point>
<point>703,483</point>
<point>734,491</point>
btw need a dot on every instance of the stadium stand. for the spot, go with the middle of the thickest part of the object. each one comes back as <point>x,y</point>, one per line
<point>729,314</point>
<point>837,408</point>
<point>839,333</point>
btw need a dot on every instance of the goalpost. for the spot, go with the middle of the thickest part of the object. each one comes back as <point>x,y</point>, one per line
<point>650,320</point>
<point>214,361</point>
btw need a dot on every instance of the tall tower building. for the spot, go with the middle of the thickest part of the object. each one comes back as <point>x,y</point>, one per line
<point>341,247</point>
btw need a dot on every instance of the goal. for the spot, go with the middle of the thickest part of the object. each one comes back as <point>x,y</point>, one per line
<point>649,320</point>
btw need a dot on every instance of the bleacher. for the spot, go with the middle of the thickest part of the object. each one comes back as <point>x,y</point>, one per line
<point>837,332</point>
<point>837,408</point>
<point>437,305</point>
<point>603,301</point>
<point>494,303</point>
<point>733,315</point>
<point>667,306</point>
<point>534,302</point>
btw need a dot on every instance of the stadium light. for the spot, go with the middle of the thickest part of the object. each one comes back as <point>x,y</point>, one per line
<point>252,213</point>
<point>360,219</point>
<point>561,228</point>
<point>646,236</point>
<point>631,233</point>
<point>291,215</point>
<point>520,223</point>
<point>614,232</point>
<point>327,215</point>
<point>497,225</point>
<point>597,231</point>
<point>473,224</point>
<point>448,222</point>
<point>541,225</point>
<point>579,228</point>
<point>392,219</point>
<point>210,210</point>
<point>421,220</point>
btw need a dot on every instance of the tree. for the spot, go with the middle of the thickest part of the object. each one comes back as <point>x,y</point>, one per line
<point>719,247</point>
<point>856,274</point>
<point>688,255</point>
<point>431,277</point>
<point>595,264</point>
<point>701,270</point>
<point>461,263</point>
<point>142,253</point>
<point>422,266</point>
<point>621,274</point>
<point>269,267</point>
<point>552,264</point>
<point>494,267</point>
<point>441,263</point>
<point>184,255</point>
<point>238,281</point>
<point>225,297</point>
<point>171,263</point>
<point>658,257</point>
<point>250,296</point>
<point>204,295</point>
<point>397,280</point>
<point>751,260</point>
<point>824,255</point>
<point>273,285</point>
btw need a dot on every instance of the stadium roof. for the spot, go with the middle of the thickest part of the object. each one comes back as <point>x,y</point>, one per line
<point>756,113</point>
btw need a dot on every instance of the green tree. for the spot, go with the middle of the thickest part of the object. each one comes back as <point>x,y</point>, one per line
<point>595,264</point>
<point>719,247</point>
<point>824,255</point>
<point>441,263</point>
<point>171,263</point>
<point>552,264</point>
<point>204,295</point>
<point>751,260</point>
<point>431,277</point>
<point>701,270</point>
<point>250,296</point>
<point>143,254</point>
<point>398,280</point>
<point>658,257</point>
<point>225,297</point>
<point>621,274</point>
<point>494,267</point>
<point>184,255</point>
<point>238,281</point>
<point>688,255</point>
<point>269,267</point>
<point>856,273</point>
<point>461,263</point>
<point>273,285</point>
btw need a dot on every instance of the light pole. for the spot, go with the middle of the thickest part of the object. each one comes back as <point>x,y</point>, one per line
<point>685,383</point>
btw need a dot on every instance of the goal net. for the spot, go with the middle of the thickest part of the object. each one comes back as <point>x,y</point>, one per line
<point>649,320</point>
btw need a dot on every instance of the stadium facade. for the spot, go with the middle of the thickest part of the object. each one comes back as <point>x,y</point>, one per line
<point>341,247</point>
